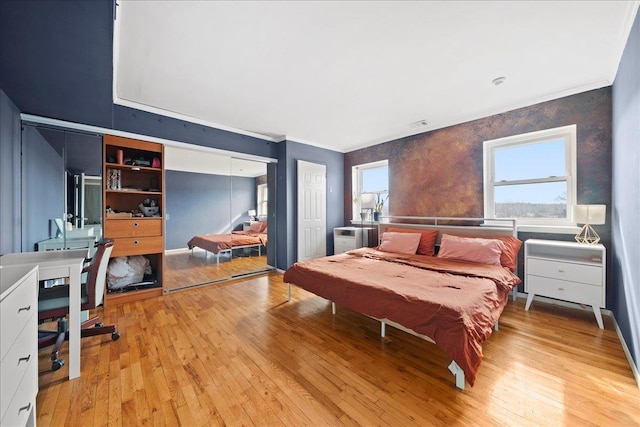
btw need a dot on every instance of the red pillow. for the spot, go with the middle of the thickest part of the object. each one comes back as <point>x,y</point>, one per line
<point>484,251</point>
<point>400,243</point>
<point>509,257</point>
<point>427,239</point>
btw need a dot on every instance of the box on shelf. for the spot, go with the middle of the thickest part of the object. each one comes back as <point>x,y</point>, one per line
<point>151,210</point>
<point>119,215</point>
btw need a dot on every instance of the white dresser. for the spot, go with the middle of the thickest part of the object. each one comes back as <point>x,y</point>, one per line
<point>569,271</point>
<point>18,345</point>
<point>349,238</point>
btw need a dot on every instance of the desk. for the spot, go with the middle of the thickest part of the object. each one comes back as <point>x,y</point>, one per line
<point>69,243</point>
<point>53,265</point>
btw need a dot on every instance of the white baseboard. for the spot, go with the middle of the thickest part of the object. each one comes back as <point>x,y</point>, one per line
<point>634,368</point>
<point>632,365</point>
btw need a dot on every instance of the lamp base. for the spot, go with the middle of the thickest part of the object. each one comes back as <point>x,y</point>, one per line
<point>587,235</point>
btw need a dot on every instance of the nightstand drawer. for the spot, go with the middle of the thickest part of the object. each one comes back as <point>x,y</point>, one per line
<point>568,291</point>
<point>581,273</point>
<point>344,246</point>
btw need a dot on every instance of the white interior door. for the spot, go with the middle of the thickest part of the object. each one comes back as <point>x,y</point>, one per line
<point>312,210</point>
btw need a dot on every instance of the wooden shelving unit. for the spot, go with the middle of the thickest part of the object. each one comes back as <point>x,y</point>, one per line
<point>133,172</point>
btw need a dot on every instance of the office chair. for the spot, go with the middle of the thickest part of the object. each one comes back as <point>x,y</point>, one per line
<point>53,303</point>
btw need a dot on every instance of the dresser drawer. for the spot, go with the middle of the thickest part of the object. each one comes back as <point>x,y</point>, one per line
<point>137,246</point>
<point>582,273</point>
<point>132,228</point>
<point>564,290</point>
<point>22,357</point>
<point>17,309</point>
<point>23,402</point>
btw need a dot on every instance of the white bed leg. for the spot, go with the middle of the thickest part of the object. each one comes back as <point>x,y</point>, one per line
<point>333,307</point>
<point>288,291</point>
<point>496,327</point>
<point>459,374</point>
<point>383,329</point>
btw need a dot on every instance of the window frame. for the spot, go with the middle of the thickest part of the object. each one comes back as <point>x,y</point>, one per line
<point>262,203</point>
<point>568,134</point>
<point>356,185</point>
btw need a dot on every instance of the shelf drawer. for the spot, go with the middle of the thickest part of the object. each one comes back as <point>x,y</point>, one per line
<point>564,290</point>
<point>581,273</point>
<point>17,309</point>
<point>139,227</point>
<point>137,246</point>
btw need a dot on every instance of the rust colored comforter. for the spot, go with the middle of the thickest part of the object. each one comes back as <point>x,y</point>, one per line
<point>455,303</point>
<point>218,242</point>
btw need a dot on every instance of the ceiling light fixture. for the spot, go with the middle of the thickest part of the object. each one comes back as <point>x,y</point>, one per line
<point>498,81</point>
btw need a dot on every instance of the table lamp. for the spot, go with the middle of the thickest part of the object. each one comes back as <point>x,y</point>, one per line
<point>588,215</point>
<point>252,214</point>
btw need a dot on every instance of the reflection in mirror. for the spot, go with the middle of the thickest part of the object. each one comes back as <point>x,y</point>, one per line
<point>53,164</point>
<point>208,200</point>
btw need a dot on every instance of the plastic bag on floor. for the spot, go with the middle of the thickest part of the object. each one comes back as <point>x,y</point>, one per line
<point>124,271</point>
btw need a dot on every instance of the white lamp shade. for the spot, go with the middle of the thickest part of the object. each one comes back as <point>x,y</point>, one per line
<point>589,214</point>
<point>252,212</point>
<point>367,201</point>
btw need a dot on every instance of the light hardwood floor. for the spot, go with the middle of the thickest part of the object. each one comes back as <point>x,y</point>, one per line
<point>238,354</point>
<point>187,268</point>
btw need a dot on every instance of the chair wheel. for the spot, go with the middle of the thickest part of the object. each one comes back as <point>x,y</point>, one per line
<point>99,325</point>
<point>57,364</point>
<point>115,336</point>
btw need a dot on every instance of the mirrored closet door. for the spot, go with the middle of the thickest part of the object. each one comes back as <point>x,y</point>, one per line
<point>61,189</point>
<point>215,225</point>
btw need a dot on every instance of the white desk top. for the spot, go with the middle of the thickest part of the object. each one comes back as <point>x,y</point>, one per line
<point>50,257</point>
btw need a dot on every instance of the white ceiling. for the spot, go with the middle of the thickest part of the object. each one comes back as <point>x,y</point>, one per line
<point>346,75</point>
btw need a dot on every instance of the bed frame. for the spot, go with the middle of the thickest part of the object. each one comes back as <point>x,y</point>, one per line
<point>480,227</point>
<point>257,246</point>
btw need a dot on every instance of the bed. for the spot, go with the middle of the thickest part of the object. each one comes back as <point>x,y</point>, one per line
<point>453,299</point>
<point>254,239</point>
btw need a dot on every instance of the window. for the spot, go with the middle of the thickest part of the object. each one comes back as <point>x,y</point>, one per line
<point>370,181</point>
<point>262,201</point>
<point>531,177</point>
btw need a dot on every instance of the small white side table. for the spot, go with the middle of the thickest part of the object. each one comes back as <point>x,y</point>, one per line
<point>568,271</point>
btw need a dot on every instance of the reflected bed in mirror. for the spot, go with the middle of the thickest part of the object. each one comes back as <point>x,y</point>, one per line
<point>211,194</point>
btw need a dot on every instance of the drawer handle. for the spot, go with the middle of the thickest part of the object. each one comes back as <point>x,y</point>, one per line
<point>561,289</point>
<point>560,271</point>
<point>24,308</point>
<point>135,224</point>
<point>135,242</point>
<point>24,359</point>
<point>25,408</point>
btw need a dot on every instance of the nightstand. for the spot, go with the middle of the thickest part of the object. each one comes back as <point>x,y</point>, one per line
<point>567,271</point>
<point>349,238</point>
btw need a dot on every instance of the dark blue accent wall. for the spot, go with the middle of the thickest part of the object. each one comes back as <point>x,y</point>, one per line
<point>625,260</point>
<point>144,123</point>
<point>57,58</point>
<point>287,198</point>
<point>200,203</point>
<point>10,221</point>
